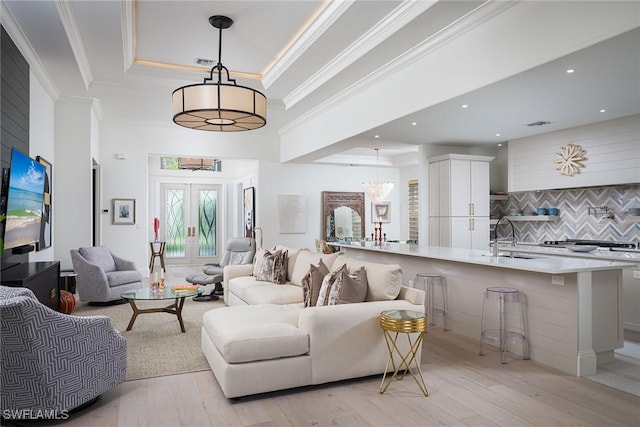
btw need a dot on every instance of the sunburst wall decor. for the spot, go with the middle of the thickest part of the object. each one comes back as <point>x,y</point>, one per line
<point>570,158</point>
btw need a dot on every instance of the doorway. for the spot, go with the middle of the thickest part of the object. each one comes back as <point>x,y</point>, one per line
<point>190,213</point>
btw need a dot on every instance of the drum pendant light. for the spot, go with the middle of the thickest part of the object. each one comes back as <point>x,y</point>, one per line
<point>217,106</point>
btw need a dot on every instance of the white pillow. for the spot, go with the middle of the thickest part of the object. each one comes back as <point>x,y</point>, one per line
<point>305,258</point>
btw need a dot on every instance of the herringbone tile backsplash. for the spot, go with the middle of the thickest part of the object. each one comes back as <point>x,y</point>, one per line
<point>575,221</point>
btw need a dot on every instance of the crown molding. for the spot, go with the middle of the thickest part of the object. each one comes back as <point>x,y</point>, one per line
<point>390,24</point>
<point>471,20</point>
<point>329,13</point>
<point>24,46</point>
<point>128,21</point>
<point>70,24</point>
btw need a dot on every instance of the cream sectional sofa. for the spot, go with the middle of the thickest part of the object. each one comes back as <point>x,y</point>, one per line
<point>255,347</point>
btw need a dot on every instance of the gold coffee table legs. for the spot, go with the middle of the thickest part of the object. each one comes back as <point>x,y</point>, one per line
<point>403,322</point>
<point>405,362</point>
<point>175,308</point>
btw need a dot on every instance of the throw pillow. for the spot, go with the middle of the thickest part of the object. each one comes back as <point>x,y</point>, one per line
<point>263,265</point>
<point>235,258</point>
<point>312,282</point>
<point>279,271</point>
<point>348,288</point>
<point>327,283</point>
<point>353,287</point>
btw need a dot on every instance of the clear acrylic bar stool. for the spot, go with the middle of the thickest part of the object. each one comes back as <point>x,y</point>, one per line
<point>429,283</point>
<point>503,335</point>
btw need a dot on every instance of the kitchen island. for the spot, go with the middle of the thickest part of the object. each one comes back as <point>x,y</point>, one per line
<point>573,304</point>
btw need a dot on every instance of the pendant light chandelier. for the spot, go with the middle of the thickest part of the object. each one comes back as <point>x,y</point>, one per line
<point>377,190</point>
<point>218,106</point>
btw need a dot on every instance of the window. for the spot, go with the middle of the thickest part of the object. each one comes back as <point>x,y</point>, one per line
<point>414,210</point>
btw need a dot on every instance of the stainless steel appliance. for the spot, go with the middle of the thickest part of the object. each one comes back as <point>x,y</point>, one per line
<point>612,245</point>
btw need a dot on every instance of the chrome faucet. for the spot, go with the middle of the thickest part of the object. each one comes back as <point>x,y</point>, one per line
<point>495,239</point>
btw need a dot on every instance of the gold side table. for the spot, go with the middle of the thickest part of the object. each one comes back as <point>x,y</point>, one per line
<point>403,322</point>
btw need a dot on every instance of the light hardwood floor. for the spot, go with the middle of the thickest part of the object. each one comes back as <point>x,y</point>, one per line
<point>465,389</point>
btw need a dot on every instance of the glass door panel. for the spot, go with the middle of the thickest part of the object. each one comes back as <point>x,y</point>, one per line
<point>190,214</point>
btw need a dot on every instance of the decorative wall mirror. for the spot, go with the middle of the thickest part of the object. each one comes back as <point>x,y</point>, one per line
<point>342,215</point>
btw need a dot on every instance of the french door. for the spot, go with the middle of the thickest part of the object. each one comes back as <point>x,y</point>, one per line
<point>190,213</point>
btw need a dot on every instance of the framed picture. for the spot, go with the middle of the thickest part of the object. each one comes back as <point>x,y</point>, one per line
<point>249,211</point>
<point>124,211</point>
<point>46,221</point>
<point>380,211</point>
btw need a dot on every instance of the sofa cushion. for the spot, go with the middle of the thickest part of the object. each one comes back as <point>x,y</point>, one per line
<point>99,255</point>
<point>253,291</point>
<point>384,280</point>
<point>261,333</point>
<point>119,278</point>
<point>311,283</point>
<point>305,258</point>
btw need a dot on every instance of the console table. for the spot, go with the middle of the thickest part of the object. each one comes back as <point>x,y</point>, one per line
<point>157,253</point>
<point>40,277</point>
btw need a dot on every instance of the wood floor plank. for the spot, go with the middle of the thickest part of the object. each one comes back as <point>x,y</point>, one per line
<point>465,390</point>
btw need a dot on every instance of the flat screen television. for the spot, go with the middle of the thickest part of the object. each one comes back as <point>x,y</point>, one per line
<point>25,194</point>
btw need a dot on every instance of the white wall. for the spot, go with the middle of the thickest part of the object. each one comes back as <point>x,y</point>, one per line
<point>130,178</point>
<point>613,156</point>
<point>72,177</point>
<point>311,180</point>
<point>41,143</point>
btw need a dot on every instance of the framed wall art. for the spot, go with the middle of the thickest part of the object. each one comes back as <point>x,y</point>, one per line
<point>47,220</point>
<point>380,211</point>
<point>124,211</point>
<point>249,211</point>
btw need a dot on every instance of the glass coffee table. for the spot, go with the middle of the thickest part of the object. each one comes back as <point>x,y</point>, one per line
<point>168,294</point>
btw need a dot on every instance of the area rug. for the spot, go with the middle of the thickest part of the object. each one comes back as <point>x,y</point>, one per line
<point>155,345</point>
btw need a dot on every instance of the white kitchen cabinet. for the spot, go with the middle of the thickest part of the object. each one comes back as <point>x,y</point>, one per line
<point>459,201</point>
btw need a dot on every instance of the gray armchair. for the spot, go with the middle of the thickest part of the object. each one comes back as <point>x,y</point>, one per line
<point>102,276</point>
<point>52,361</point>
<point>239,250</point>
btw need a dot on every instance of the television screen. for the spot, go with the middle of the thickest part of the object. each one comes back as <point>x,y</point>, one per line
<point>24,201</point>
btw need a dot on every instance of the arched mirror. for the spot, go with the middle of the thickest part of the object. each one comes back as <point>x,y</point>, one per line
<point>342,215</point>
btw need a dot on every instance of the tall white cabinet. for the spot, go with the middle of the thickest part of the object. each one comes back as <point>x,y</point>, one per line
<point>459,201</point>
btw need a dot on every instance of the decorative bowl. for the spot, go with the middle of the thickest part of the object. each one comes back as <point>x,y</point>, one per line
<point>541,211</point>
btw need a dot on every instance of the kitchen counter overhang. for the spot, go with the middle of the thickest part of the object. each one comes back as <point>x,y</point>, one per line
<point>573,304</point>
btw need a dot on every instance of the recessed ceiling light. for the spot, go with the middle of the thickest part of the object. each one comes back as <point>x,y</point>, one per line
<point>603,111</point>
<point>497,134</point>
<point>500,145</point>
<point>376,136</point>
<point>464,105</point>
<point>571,71</point>
<point>413,124</point>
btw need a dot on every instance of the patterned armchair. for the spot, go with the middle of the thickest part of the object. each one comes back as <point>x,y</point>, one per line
<point>102,276</point>
<point>52,361</point>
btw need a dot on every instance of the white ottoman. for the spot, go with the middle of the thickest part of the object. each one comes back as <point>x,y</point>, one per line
<point>255,349</point>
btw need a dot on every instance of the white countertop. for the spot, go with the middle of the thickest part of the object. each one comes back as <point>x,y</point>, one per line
<point>600,254</point>
<point>551,264</point>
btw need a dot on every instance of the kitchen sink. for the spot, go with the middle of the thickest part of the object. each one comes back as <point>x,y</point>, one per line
<point>514,256</point>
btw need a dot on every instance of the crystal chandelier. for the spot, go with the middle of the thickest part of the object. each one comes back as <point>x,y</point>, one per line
<point>377,190</point>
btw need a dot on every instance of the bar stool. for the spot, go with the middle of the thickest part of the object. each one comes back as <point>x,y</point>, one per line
<point>503,335</point>
<point>429,282</point>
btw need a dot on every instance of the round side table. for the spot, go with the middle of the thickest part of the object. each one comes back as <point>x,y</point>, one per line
<point>409,322</point>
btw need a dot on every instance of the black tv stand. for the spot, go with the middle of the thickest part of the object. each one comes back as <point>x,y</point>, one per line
<point>40,277</point>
